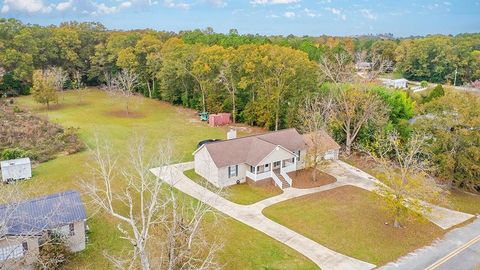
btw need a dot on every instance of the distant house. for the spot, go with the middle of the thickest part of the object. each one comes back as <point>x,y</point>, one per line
<point>25,225</point>
<point>398,83</point>
<point>267,156</point>
<point>16,169</point>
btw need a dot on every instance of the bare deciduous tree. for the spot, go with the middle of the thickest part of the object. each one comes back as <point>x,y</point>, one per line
<point>227,78</point>
<point>377,65</point>
<point>78,84</point>
<point>356,106</point>
<point>163,230</point>
<point>315,114</point>
<point>337,68</point>
<point>404,166</point>
<point>123,85</point>
<point>59,77</point>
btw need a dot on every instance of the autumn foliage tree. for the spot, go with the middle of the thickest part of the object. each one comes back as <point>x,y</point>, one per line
<point>406,185</point>
<point>44,88</point>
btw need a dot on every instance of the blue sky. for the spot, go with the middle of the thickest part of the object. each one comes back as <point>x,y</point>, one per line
<point>300,17</point>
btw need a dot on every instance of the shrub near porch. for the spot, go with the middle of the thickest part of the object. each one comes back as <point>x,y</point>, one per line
<point>351,221</point>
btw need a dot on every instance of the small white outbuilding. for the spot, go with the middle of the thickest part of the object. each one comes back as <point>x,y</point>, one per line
<point>16,169</point>
<point>398,83</point>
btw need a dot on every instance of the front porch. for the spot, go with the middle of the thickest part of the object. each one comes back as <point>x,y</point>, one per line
<point>276,170</point>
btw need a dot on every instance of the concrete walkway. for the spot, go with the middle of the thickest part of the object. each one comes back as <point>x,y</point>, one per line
<point>347,174</point>
<point>253,217</point>
<point>457,250</point>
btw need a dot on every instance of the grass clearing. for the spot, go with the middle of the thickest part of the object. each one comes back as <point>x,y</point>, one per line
<point>242,193</point>
<point>455,199</point>
<point>464,202</point>
<point>245,247</point>
<point>351,221</point>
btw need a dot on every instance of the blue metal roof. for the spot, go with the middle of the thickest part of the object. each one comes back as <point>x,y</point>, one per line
<point>42,213</point>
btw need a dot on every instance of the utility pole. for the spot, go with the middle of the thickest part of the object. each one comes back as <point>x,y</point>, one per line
<point>455,78</point>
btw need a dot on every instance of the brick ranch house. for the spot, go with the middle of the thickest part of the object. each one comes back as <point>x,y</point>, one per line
<point>25,225</point>
<point>258,157</point>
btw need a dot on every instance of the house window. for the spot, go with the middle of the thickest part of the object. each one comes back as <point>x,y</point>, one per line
<point>25,247</point>
<point>276,163</point>
<point>11,252</point>
<point>72,229</point>
<point>252,169</point>
<point>232,171</point>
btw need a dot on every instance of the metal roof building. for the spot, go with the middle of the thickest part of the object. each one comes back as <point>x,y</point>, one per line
<point>43,213</point>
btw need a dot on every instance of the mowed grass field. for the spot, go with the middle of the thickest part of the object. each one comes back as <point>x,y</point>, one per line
<point>351,221</point>
<point>97,113</point>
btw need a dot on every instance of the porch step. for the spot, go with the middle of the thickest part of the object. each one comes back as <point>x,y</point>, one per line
<point>281,178</point>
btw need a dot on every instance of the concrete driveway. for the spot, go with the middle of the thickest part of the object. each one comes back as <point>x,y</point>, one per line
<point>252,216</point>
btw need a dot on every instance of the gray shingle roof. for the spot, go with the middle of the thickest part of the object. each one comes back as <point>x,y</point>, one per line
<point>252,149</point>
<point>42,213</point>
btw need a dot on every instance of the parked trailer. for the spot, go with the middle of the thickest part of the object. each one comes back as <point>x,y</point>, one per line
<point>16,169</point>
<point>219,119</point>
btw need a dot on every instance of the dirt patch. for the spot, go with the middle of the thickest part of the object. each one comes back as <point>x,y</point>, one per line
<point>124,114</point>
<point>23,134</point>
<point>304,178</point>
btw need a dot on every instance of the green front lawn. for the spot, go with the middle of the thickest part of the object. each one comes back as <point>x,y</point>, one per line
<point>464,202</point>
<point>241,194</point>
<point>97,113</point>
<point>455,199</point>
<point>351,221</point>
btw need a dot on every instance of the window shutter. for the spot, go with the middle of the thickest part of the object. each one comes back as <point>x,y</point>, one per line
<point>229,171</point>
<point>71,229</point>
<point>25,247</point>
<point>236,170</point>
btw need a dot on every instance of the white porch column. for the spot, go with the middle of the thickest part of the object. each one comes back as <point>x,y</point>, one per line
<point>256,173</point>
<point>295,163</point>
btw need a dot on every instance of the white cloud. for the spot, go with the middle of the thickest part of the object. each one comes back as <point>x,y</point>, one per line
<point>175,4</point>
<point>217,3</point>
<point>5,8</point>
<point>103,9</point>
<point>273,2</point>
<point>125,4</point>
<point>272,16</point>
<point>311,13</point>
<point>337,12</point>
<point>367,13</point>
<point>289,14</point>
<point>28,6</point>
<point>62,6</point>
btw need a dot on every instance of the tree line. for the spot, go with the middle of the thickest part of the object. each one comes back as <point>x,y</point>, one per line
<point>261,80</point>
